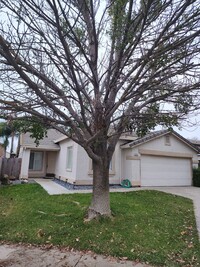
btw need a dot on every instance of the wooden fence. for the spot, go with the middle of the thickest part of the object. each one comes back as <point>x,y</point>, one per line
<point>10,167</point>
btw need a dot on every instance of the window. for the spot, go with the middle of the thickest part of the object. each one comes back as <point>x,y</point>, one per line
<point>111,167</point>
<point>69,158</point>
<point>36,161</point>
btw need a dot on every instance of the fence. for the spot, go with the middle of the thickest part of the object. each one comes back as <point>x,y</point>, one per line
<point>10,167</point>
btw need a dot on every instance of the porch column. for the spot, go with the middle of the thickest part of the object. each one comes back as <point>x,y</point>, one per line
<point>25,163</point>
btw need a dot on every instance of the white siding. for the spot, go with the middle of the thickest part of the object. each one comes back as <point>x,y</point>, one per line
<point>51,161</point>
<point>81,166</point>
<point>84,167</point>
<point>176,145</point>
<point>131,165</point>
<point>61,171</point>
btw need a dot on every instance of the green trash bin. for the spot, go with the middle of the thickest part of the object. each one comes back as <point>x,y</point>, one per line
<point>126,183</point>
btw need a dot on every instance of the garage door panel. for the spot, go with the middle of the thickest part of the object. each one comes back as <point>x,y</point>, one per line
<point>165,171</point>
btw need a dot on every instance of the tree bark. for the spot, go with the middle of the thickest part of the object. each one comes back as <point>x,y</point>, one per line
<point>100,205</point>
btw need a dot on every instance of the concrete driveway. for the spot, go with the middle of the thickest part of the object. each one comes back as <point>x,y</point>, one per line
<point>186,191</point>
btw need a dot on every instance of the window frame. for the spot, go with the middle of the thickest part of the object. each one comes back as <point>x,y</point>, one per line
<point>112,171</point>
<point>34,168</point>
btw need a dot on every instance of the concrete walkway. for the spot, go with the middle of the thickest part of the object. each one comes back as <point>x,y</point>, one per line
<point>53,188</point>
<point>23,256</point>
<point>185,191</point>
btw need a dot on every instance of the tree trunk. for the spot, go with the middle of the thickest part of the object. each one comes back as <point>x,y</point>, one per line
<point>100,205</point>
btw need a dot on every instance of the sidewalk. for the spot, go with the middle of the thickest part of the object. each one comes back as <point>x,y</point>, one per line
<point>23,256</point>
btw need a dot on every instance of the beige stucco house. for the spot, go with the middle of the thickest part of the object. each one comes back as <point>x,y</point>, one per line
<point>162,158</point>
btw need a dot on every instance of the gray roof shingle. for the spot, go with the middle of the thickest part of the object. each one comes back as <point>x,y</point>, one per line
<point>52,135</point>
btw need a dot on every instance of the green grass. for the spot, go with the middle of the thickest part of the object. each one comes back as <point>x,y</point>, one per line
<point>148,226</point>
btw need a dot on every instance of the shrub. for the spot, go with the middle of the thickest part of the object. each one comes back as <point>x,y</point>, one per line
<point>196,177</point>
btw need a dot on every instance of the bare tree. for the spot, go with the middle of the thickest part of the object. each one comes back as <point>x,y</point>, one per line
<point>94,69</point>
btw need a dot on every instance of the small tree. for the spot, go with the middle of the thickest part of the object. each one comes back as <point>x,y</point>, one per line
<point>95,69</point>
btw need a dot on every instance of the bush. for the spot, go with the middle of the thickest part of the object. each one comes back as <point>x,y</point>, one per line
<point>196,177</point>
<point>4,179</point>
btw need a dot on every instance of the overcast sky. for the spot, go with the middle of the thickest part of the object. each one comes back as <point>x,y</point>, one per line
<point>190,132</point>
<point>189,129</point>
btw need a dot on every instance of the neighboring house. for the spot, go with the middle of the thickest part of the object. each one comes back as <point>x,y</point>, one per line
<point>11,142</point>
<point>2,152</point>
<point>162,158</point>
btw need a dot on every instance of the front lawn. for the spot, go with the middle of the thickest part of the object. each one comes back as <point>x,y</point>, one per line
<point>148,226</point>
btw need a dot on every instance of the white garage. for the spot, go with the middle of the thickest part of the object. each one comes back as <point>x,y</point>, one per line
<point>162,158</point>
<point>165,171</point>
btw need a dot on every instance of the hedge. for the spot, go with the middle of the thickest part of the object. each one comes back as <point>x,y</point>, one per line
<point>196,177</point>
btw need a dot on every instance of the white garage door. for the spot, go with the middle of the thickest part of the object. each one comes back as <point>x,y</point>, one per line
<point>165,171</point>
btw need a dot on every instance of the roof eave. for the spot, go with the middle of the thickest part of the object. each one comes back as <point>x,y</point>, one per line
<point>130,145</point>
<point>60,139</point>
<point>44,148</point>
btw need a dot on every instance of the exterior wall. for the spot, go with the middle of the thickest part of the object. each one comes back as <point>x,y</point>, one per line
<point>61,171</point>
<point>117,164</point>
<point>84,167</point>
<point>84,173</point>
<point>176,146</point>
<point>131,165</point>
<point>131,157</point>
<point>51,161</point>
<point>81,172</point>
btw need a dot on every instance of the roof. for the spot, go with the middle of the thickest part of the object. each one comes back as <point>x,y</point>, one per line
<point>47,143</point>
<point>153,135</point>
<point>60,139</point>
<point>196,143</point>
<point>128,136</point>
<point>125,136</point>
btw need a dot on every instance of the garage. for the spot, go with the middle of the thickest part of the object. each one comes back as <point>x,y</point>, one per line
<point>165,171</point>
